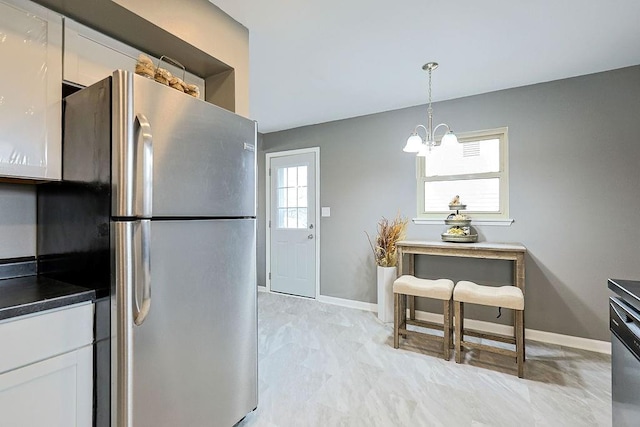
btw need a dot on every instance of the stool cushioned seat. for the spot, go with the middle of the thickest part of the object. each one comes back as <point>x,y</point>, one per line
<point>495,296</point>
<point>410,285</point>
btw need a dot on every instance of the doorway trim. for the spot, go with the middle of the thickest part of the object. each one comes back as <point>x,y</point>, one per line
<point>267,163</point>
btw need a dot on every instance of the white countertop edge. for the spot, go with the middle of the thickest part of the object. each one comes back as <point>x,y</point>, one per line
<point>496,222</point>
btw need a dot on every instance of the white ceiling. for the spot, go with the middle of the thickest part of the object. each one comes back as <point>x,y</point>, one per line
<point>317,61</point>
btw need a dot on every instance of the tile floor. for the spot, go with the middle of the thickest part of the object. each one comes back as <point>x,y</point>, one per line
<point>324,365</point>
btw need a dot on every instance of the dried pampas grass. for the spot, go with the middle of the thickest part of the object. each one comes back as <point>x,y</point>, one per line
<point>389,233</point>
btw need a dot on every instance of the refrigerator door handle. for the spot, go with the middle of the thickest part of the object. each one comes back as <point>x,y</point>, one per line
<point>144,168</point>
<point>143,257</point>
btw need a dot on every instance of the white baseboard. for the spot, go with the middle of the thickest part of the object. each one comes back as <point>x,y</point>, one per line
<point>530,334</point>
<point>480,325</point>
<point>569,341</point>
<point>359,305</point>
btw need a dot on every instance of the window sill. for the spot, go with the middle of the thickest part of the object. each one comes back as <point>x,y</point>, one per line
<point>495,222</point>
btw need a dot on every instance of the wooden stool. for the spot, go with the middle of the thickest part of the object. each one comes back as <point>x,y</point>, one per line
<point>510,297</point>
<point>441,289</point>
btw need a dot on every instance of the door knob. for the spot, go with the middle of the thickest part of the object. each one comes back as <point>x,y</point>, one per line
<point>310,236</point>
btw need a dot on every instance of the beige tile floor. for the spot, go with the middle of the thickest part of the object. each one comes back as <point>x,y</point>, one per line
<point>323,365</point>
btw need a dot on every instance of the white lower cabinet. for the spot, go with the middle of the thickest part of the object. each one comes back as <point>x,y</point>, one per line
<point>46,369</point>
<point>56,392</point>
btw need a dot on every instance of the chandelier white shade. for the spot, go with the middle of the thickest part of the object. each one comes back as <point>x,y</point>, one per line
<point>449,138</point>
<point>413,143</point>
<point>420,145</point>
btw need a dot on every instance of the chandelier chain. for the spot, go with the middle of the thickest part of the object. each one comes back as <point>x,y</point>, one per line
<point>429,87</point>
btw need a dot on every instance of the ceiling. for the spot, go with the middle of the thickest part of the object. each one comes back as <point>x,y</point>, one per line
<point>318,61</point>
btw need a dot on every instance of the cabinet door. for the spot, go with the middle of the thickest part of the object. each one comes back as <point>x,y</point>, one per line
<point>54,392</point>
<point>30,91</point>
<point>90,56</point>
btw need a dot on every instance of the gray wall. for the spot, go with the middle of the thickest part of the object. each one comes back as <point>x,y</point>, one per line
<point>574,194</point>
<point>17,220</point>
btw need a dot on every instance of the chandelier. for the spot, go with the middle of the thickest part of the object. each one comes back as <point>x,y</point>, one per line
<point>419,145</point>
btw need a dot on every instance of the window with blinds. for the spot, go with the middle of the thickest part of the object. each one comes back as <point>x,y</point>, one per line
<point>476,169</point>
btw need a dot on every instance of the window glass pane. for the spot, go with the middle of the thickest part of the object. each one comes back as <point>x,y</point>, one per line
<point>480,195</point>
<point>282,175</point>
<point>292,221</point>
<point>282,198</point>
<point>285,182</point>
<point>282,218</point>
<point>292,197</point>
<point>292,177</point>
<point>302,197</point>
<point>464,158</point>
<point>302,218</point>
<point>302,176</point>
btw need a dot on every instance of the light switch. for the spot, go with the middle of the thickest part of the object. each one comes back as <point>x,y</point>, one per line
<point>326,211</point>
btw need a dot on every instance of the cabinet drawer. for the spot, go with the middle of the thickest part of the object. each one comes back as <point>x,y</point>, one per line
<point>28,339</point>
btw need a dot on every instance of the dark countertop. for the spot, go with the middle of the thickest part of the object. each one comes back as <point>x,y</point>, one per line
<point>31,294</point>
<point>628,290</point>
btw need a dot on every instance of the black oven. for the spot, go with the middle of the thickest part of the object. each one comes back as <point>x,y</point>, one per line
<point>624,323</point>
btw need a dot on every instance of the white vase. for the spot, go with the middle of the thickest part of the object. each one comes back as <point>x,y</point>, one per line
<point>386,276</point>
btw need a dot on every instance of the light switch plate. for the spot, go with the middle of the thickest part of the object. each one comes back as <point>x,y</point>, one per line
<point>326,211</point>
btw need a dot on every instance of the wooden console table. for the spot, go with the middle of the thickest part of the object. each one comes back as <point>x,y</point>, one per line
<point>507,251</point>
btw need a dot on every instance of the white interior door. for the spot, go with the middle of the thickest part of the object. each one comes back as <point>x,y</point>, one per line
<point>293,223</point>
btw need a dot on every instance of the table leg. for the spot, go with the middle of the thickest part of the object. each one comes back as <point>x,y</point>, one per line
<point>412,269</point>
<point>519,272</point>
<point>520,283</point>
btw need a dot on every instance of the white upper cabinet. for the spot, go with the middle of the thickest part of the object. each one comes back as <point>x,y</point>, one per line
<point>30,91</point>
<point>90,56</point>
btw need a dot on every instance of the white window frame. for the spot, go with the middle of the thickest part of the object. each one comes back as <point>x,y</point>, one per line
<point>479,218</point>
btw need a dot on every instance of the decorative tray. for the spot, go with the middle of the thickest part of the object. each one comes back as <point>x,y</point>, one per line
<point>460,239</point>
<point>457,207</point>
<point>458,222</point>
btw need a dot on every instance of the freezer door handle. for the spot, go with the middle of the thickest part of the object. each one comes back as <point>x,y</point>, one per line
<point>143,258</point>
<point>144,168</point>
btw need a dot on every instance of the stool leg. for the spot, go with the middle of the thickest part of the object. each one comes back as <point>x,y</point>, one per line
<point>451,343</point>
<point>412,307</point>
<point>446,337</point>
<point>459,327</point>
<point>519,327</point>
<point>396,320</point>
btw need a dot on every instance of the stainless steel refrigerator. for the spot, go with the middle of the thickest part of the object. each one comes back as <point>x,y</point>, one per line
<point>157,210</point>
